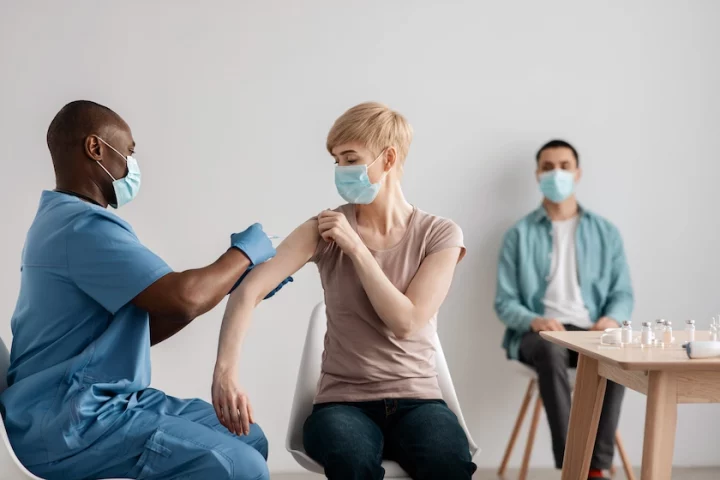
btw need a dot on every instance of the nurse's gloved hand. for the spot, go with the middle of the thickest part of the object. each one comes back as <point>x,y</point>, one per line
<point>254,243</point>
<point>275,290</point>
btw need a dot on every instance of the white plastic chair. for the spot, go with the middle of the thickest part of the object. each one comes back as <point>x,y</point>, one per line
<point>10,466</point>
<point>305,390</point>
<point>529,373</point>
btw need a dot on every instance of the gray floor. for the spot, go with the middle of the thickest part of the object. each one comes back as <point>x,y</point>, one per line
<point>539,474</point>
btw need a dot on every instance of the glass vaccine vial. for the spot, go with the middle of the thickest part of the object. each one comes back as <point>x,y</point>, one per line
<point>690,330</point>
<point>646,337</point>
<point>667,334</point>
<point>627,333</point>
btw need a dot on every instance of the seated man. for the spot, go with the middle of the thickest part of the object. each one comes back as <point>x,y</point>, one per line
<point>93,299</point>
<point>386,267</point>
<point>563,268</point>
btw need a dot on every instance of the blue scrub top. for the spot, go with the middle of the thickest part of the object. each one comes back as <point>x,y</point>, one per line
<point>81,351</point>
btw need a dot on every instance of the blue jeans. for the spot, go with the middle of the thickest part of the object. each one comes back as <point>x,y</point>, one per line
<point>350,440</point>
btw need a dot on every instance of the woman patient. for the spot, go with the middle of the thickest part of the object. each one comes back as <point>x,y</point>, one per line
<point>386,268</point>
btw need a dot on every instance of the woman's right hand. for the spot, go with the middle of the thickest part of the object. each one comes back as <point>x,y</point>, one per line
<point>232,405</point>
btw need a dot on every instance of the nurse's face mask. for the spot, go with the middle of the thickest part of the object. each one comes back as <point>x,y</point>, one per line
<point>354,185</point>
<point>128,187</point>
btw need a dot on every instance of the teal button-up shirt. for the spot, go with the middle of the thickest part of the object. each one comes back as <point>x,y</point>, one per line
<point>524,269</point>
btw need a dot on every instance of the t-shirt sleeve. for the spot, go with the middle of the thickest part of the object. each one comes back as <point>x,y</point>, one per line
<point>320,251</point>
<point>323,247</point>
<point>107,262</point>
<point>445,234</point>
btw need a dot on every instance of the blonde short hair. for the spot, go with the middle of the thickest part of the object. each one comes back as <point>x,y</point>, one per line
<point>376,126</point>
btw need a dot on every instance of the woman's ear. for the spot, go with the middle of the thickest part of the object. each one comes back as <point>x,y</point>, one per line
<point>390,158</point>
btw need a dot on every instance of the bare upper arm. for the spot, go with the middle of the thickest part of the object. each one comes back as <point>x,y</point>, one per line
<point>431,283</point>
<point>294,252</point>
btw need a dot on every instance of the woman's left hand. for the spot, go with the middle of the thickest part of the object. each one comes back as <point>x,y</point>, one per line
<point>334,227</point>
<point>231,403</point>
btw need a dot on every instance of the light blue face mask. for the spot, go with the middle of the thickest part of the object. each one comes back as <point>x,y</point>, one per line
<point>557,185</point>
<point>353,184</point>
<point>128,187</point>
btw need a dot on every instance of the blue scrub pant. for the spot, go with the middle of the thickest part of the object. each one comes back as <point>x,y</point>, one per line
<point>164,438</point>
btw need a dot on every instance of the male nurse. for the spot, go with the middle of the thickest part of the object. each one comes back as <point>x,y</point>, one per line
<point>563,267</point>
<point>92,301</point>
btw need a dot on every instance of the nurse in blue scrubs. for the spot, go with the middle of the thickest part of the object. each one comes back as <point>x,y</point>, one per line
<point>92,301</point>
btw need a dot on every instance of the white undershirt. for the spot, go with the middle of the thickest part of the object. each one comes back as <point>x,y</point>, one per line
<point>563,299</point>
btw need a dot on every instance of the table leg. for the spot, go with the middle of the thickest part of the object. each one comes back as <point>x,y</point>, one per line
<point>584,417</point>
<point>660,423</point>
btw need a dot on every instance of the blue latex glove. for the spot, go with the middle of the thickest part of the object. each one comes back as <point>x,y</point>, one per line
<point>254,243</point>
<point>277,289</point>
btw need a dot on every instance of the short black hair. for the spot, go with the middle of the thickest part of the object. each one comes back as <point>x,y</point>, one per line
<point>75,121</point>
<point>557,144</point>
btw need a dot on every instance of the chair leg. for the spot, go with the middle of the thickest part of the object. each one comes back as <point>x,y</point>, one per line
<point>627,466</point>
<point>516,429</point>
<point>531,438</point>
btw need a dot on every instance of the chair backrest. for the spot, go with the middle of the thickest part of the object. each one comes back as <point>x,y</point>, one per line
<point>448,390</point>
<point>10,466</point>
<point>307,379</point>
<point>309,374</point>
<point>4,365</point>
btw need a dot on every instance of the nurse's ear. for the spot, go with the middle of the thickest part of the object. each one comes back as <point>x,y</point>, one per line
<point>93,148</point>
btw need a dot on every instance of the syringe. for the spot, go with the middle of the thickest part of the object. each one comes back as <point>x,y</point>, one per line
<point>703,349</point>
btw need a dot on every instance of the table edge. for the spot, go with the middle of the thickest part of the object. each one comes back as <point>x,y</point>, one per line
<point>634,366</point>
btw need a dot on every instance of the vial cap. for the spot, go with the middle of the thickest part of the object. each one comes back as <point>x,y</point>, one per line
<point>646,324</point>
<point>626,322</point>
<point>690,322</point>
<point>668,323</point>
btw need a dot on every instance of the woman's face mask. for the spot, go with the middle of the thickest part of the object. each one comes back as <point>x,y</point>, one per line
<point>353,183</point>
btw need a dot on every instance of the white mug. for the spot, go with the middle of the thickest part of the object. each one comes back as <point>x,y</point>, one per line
<point>612,336</point>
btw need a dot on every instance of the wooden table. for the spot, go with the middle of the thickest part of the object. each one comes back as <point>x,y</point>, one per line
<point>666,375</point>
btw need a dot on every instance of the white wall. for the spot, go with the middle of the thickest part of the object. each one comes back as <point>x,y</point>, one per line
<point>230,103</point>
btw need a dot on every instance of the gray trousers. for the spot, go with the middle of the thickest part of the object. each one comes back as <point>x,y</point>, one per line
<point>551,362</point>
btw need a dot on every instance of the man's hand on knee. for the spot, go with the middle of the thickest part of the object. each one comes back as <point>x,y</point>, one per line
<point>546,325</point>
<point>603,323</point>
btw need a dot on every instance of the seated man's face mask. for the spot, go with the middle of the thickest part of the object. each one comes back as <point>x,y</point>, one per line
<point>557,185</point>
<point>128,187</point>
<point>353,183</point>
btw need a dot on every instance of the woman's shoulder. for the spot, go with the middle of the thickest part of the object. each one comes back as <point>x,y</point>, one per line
<point>348,209</point>
<point>430,224</point>
<point>437,233</point>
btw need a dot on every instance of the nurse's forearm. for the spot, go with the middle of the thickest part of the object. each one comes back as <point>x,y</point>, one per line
<point>162,328</point>
<point>184,296</point>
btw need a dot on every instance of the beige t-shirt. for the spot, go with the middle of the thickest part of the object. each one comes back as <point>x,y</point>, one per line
<point>363,360</point>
